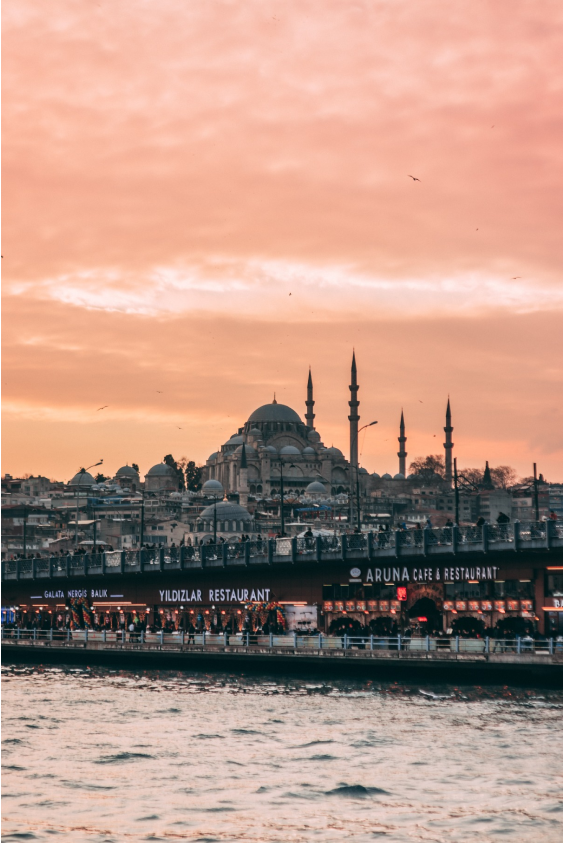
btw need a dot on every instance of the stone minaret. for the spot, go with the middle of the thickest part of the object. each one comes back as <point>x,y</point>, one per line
<point>354,418</point>
<point>309,403</point>
<point>402,454</point>
<point>448,444</point>
<point>243,478</point>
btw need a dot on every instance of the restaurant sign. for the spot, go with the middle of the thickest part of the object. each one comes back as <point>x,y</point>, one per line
<point>408,575</point>
<point>216,595</point>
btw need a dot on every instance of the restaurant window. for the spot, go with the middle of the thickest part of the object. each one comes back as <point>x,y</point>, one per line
<point>328,592</point>
<point>340,591</point>
<point>517,589</point>
<point>555,585</point>
<point>467,590</point>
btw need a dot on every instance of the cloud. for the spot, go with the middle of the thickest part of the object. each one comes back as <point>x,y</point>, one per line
<point>173,171</point>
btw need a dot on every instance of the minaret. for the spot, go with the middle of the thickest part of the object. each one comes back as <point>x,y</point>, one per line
<point>448,444</point>
<point>309,403</point>
<point>402,454</point>
<point>354,418</point>
<point>243,478</point>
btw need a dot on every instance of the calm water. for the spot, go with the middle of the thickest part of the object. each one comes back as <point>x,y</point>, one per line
<point>98,755</point>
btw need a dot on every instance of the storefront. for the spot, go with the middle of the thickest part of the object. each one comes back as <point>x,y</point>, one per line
<point>307,596</point>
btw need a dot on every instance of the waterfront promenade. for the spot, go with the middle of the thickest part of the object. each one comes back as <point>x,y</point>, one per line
<point>490,656</point>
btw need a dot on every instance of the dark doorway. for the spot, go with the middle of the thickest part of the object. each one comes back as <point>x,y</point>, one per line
<point>426,608</point>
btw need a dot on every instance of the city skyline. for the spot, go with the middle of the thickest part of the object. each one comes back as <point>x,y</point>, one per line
<point>218,196</point>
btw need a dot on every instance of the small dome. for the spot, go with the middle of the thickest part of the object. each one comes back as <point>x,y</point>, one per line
<point>335,452</point>
<point>226,511</point>
<point>126,471</point>
<point>313,436</point>
<point>213,456</point>
<point>270,449</point>
<point>363,471</point>
<point>386,476</point>
<point>254,432</point>
<point>290,449</point>
<point>160,470</point>
<point>376,476</point>
<point>308,451</point>
<point>212,487</point>
<point>237,439</point>
<point>83,478</point>
<point>399,476</point>
<point>315,488</point>
<point>250,452</point>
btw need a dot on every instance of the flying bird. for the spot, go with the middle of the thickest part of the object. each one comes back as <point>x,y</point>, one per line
<point>102,408</point>
<point>180,428</point>
<point>290,294</point>
<point>159,391</point>
<point>414,178</point>
<point>516,277</point>
<point>420,402</point>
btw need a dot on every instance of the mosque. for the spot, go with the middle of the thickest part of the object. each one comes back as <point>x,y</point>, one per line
<point>275,441</point>
<point>275,445</point>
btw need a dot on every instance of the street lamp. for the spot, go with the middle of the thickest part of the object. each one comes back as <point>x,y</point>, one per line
<point>282,524</point>
<point>354,440</point>
<point>214,519</point>
<point>82,472</point>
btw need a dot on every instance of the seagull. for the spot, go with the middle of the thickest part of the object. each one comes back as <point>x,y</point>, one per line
<point>102,408</point>
<point>414,178</point>
<point>290,294</point>
<point>159,391</point>
<point>420,402</point>
<point>180,428</point>
<point>516,277</point>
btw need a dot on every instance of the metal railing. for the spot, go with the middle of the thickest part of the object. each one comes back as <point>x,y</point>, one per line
<point>292,641</point>
<point>357,546</point>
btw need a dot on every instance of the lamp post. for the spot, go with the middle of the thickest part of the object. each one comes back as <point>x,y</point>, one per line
<point>82,472</point>
<point>282,516</point>
<point>370,424</point>
<point>536,501</point>
<point>142,517</point>
<point>214,519</point>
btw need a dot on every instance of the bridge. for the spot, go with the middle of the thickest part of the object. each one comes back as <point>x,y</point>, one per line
<point>410,545</point>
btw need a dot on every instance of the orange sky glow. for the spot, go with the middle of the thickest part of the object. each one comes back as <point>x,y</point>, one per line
<point>201,199</point>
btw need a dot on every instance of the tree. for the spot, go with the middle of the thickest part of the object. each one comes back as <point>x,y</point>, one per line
<point>135,467</point>
<point>169,460</point>
<point>472,476</point>
<point>101,477</point>
<point>504,476</point>
<point>428,466</point>
<point>193,476</point>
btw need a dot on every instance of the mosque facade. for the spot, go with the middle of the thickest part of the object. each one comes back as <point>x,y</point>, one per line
<point>276,441</point>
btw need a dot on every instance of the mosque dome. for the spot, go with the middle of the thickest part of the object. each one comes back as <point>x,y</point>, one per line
<point>376,476</point>
<point>274,413</point>
<point>399,476</point>
<point>334,452</point>
<point>226,511</point>
<point>308,451</point>
<point>270,449</point>
<point>290,450</point>
<point>237,439</point>
<point>160,470</point>
<point>314,436</point>
<point>250,452</point>
<point>254,432</point>
<point>363,471</point>
<point>126,471</point>
<point>213,456</point>
<point>386,476</point>
<point>83,478</point>
<point>212,487</point>
<point>315,488</point>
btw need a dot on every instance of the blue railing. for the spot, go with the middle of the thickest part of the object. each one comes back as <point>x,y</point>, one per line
<point>372,546</point>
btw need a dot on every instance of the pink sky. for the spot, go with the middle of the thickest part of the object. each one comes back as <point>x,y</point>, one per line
<point>172,171</point>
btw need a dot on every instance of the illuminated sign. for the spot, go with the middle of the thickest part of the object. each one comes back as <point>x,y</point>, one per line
<point>401,592</point>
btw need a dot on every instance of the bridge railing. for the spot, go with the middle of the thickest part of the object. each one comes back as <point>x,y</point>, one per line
<point>290,641</point>
<point>414,542</point>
